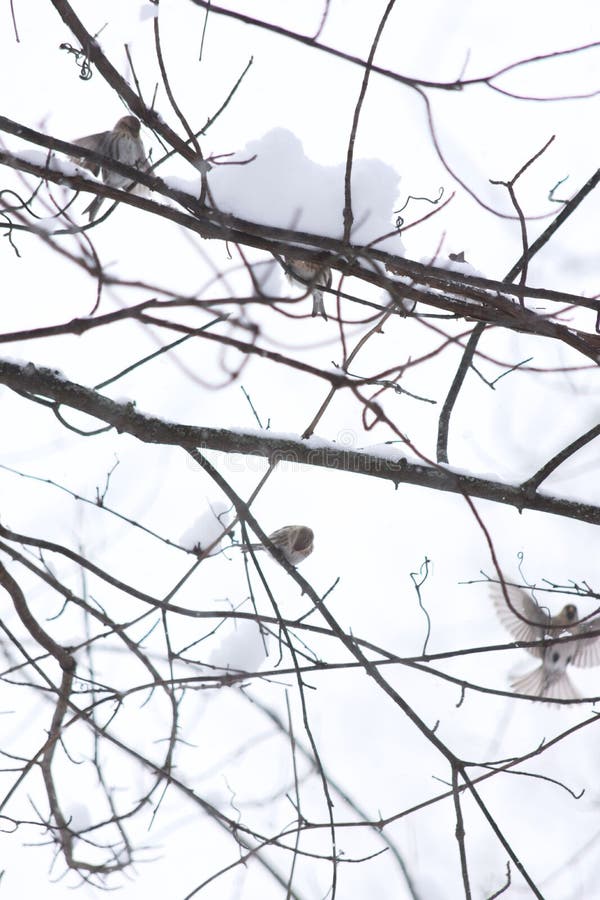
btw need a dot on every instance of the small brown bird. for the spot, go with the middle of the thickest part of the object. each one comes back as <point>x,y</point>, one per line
<point>549,679</point>
<point>296,542</point>
<point>311,275</point>
<point>123,144</point>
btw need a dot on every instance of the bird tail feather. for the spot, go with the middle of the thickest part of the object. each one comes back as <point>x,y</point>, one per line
<point>540,683</point>
<point>318,304</point>
<point>92,209</point>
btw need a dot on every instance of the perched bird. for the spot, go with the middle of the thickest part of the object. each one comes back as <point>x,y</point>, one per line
<point>550,679</point>
<point>311,275</point>
<point>296,542</point>
<point>124,144</point>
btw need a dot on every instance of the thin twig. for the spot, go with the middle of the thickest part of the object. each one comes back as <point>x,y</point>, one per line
<point>348,214</point>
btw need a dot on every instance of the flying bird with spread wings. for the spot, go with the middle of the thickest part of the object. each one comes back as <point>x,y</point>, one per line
<point>532,622</point>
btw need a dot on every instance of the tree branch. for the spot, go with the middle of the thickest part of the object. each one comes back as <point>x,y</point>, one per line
<point>150,429</point>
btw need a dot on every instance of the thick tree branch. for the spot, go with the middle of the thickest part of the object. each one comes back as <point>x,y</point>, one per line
<point>150,429</point>
<point>478,299</point>
<point>212,223</point>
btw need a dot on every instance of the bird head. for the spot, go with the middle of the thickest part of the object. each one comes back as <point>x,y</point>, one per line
<point>304,538</point>
<point>567,616</point>
<point>129,124</point>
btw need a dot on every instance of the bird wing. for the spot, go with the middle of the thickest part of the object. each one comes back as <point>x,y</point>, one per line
<point>307,272</point>
<point>587,652</point>
<point>281,537</point>
<point>537,619</point>
<point>96,142</point>
<point>143,163</point>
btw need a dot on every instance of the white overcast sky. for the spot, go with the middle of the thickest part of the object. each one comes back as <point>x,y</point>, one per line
<point>369,534</point>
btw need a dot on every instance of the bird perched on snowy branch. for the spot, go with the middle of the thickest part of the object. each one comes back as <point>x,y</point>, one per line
<point>124,145</point>
<point>311,275</point>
